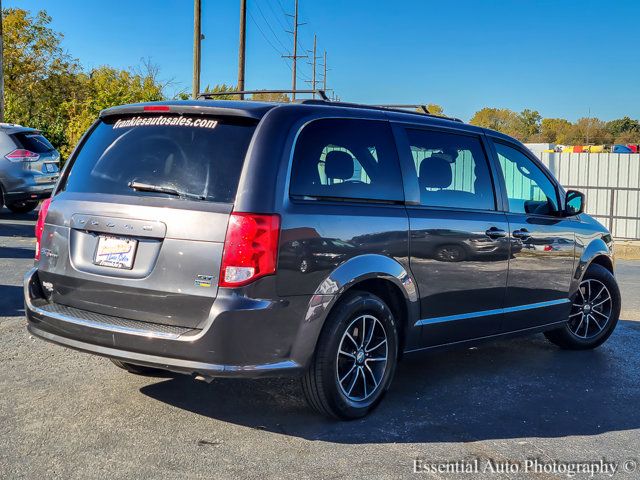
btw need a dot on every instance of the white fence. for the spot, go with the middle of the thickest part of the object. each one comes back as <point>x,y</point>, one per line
<point>611,182</point>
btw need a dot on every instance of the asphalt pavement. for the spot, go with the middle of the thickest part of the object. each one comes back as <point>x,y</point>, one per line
<point>65,414</point>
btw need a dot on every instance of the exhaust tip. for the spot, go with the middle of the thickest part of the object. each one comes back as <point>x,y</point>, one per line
<point>202,378</point>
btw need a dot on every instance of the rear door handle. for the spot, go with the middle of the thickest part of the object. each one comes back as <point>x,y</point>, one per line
<point>495,232</point>
<point>521,234</point>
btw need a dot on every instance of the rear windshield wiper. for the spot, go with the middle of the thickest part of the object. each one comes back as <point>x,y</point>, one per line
<point>147,187</point>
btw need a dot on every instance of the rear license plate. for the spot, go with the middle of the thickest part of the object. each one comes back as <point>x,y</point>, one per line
<point>47,179</point>
<point>115,252</point>
<point>49,168</point>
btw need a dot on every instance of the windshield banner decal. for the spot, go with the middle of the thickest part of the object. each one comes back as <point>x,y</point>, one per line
<point>168,121</point>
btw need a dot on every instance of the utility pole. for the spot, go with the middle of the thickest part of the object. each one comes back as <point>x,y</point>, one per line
<point>324,76</point>
<point>197,39</point>
<point>313,81</point>
<point>1,68</point>
<point>242,47</point>
<point>295,55</point>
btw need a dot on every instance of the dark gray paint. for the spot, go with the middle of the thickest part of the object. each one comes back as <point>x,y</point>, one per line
<point>271,326</point>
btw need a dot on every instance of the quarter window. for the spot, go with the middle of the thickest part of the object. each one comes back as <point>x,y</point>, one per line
<point>345,158</point>
<point>529,190</point>
<point>452,170</point>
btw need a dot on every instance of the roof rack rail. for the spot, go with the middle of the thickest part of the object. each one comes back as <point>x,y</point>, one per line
<point>209,95</point>
<point>392,108</point>
<point>416,107</point>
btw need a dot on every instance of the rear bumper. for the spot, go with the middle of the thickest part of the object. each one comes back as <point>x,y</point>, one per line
<point>254,339</point>
<point>32,194</point>
<point>21,185</point>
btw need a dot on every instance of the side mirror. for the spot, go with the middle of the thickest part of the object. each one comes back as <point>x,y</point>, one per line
<point>574,203</point>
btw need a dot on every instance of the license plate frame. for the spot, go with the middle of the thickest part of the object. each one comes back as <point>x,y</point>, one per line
<point>115,252</point>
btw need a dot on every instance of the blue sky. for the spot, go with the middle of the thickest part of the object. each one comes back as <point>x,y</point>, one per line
<point>560,57</point>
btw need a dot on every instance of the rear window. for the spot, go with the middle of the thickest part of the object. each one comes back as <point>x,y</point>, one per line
<point>33,142</point>
<point>346,159</point>
<point>197,156</point>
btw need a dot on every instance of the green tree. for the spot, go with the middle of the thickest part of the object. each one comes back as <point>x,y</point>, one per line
<point>587,131</point>
<point>435,109</point>
<point>46,88</point>
<point>624,130</point>
<point>222,88</point>
<point>554,130</point>
<point>528,125</point>
<point>271,97</point>
<point>627,137</point>
<point>38,73</point>
<point>105,87</point>
<point>500,119</point>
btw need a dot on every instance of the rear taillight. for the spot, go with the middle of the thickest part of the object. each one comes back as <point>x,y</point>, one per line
<point>250,248</point>
<point>42,214</point>
<point>21,155</point>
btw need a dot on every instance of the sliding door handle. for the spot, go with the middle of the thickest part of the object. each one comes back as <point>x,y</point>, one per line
<point>521,234</point>
<point>495,232</point>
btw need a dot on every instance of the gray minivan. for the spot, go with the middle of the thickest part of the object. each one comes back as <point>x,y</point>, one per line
<point>318,239</point>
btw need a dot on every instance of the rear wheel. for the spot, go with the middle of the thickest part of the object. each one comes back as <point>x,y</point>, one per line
<point>355,359</point>
<point>24,206</point>
<point>138,369</point>
<point>594,312</point>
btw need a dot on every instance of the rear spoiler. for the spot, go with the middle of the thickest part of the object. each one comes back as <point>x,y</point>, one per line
<point>183,109</point>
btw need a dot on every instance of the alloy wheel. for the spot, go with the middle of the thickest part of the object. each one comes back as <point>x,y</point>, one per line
<point>362,358</point>
<point>591,309</point>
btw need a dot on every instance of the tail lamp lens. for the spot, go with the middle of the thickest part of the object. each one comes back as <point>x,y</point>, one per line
<point>42,214</point>
<point>21,155</point>
<point>250,248</point>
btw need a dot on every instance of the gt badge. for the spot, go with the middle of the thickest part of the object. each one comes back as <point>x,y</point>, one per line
<point>203,280</point>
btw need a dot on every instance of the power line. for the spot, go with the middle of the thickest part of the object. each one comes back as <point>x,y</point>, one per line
<point>283,24</point>
<point>283,9</point>
<point>279,52</point>
<point>269,25</point>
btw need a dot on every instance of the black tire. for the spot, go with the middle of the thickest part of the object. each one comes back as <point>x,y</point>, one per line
<point>25,206</point>
<point>139,369</point>
<point>320,382</point>
<point>566,337</point>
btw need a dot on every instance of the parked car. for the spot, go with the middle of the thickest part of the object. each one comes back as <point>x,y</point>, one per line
<point>28,167</point>
<point>176,236</point>
<point>621,149</point>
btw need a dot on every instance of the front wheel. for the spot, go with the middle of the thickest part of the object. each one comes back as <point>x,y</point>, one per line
<point>25,206</point>
<point>355,359</point>
<point>594,312</point>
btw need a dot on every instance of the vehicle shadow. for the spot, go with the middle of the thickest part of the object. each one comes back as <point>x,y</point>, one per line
<point>506,389</point>
<point>17,225</point>
<point>11,252</point>
<point>11,301</point>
